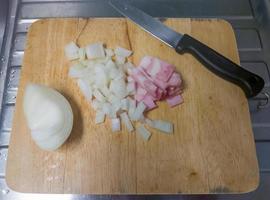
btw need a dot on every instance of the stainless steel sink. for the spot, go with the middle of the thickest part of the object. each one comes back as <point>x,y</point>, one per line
<point>249,18</point>
<point>3,17</point>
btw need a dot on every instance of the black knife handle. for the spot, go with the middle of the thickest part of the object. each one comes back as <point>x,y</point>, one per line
<point>251,83</point>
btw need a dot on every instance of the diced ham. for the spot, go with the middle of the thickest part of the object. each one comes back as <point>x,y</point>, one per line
<point>174,80</point>
<point>157,68</point>
<point>156,80</point>
<point>165,72</point>
<point>174,92</point>
<point>148,101</point>
<point>173,101</point>
<point>144,82</point>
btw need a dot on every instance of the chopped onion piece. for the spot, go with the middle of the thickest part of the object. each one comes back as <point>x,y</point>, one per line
<point>114,82</point>
<point>124,104</point>
<point>84,62</point>
<point>112,113</point>
<point>116,125</point>
<point>81,54</point>
<point>138,113</point>
<point>96,104</point>
<point>102,60</point>
<point>113,73</point>
<point>120,75</point>
<point>143,132</point>
<point>120,51</point>
<point>128,67</point>
<point>77,70</point>
<point>101,78</point>
<point>106,108</point>
<point>163,126</point>
<point>105,91</point>
<point>71,51</point>
<point>124,117</point>
<point>91,64</point>
<point>110,64</point>
<point>85,88</point>
<point>116,106</point>
<point>120,59</point>
<point>118,87</point>
<point>112,99</point>
<point>100,116</point>
<point>109,52</point>
<point>97,94</point>
<point>149,122</point>
<point>131,89</point>
<point>132,107</point>
<point>95,50</point>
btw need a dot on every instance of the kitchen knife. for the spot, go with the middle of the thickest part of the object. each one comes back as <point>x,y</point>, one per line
<point>250,83</point>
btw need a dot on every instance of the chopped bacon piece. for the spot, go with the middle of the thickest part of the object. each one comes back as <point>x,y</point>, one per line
<point>173,101</point>
<point>157,80</point>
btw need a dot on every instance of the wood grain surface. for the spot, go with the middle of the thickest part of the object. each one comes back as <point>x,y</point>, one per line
<point>212,149</point>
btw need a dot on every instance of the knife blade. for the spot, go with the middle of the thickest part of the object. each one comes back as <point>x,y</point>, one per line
<point>249,82</point>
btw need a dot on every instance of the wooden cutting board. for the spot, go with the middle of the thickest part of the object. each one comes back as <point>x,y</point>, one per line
<point>211,151</point>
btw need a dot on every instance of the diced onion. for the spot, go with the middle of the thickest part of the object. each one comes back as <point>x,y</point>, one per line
<point>163,126</point>
<point>124,117</point>
<point>118,87</point>
<point>116,125</point>
<point>77,70</point>
<point>124,104</point>
<point>95,50</point>
<point>97,94</point>
<point>143,132</point>
<point>111,83</point>
<point>96,104</point>
<point>105,91</point>
<point>81,54</point>
<point>101,78</point>
<point>138,113</point>
<point>72,51</point>
<point>120,51</point>
<point>120,59</point>
<point>132,107</point>
<point>100,116</point>
<point>85,88</point>
<point>128,67</point>
<point>131,89</point>
<point>109,52</point>
<point>106,108</point>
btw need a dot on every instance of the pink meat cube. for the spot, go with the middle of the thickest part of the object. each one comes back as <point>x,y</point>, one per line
<point>165,72</point>
<point>144,82</point>
<point>148,101</point>
<point>157,68</point>
<point>140,93</point>
<point>174,91</point>
<point>138,97</point>
<point>174,80</point>
<point>173,101</point>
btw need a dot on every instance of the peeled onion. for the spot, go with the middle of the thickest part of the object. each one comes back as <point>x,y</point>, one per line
<point>49,116</point>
